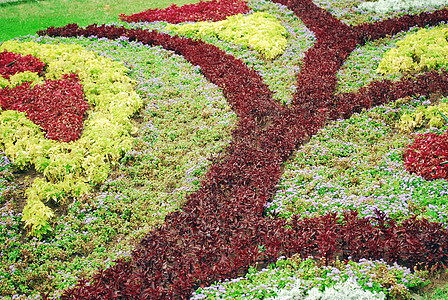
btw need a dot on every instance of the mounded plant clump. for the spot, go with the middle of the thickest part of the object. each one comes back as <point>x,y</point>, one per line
<point>259,30</point>
<point>428,156</point>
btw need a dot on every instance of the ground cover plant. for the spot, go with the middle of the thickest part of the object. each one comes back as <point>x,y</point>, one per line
<point>244,214</point>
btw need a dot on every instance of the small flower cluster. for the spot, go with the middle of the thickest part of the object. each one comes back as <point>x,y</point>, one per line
<point>6,189</point>
<point>299,277</point>
<point>5,163</point>
<point>213,10</point>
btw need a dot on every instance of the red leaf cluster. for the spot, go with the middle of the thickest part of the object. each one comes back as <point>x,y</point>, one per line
<point>221,226</point>
<point>211,248</point>
<point>57,106</point>
<point>214,10</point>
<point>427,155</point>
<point>12,63</point>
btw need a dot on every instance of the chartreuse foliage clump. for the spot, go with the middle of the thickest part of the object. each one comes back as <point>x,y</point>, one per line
<point>71,169</point>
<point>19,78</point>
<point>296,278</point>
<point>425,50</point>
<point>260,31</point>
<point>426,116</point>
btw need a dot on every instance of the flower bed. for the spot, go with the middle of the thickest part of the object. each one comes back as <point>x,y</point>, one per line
<point>222,228</point>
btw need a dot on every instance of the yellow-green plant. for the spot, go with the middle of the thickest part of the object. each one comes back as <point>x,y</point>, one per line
<point>19,78</point>
<point>70,169</point>
<point>429,117</point>
<point>427,49</point>
<point>260,31</point>
<point>3,82</point>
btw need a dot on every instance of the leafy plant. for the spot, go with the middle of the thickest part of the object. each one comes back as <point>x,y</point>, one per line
<point>19,78</point>
<point>259,30</point>
<point>12,63</point>
<point>427,156</point>
<point>425,50</point>
<point>57,106</point>
<point>425,116</point>
<point>214,10</point>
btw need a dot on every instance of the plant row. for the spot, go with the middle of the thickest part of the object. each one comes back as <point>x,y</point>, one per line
<point>383,6</point>
<point>294,278</point>
<point>214,10</point>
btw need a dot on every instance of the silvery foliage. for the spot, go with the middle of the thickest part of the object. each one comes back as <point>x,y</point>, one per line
<point>348,290</point>
<point>383,6</point>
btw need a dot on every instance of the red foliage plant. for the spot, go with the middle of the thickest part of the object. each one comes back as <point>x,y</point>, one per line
<point>57,106</point>
<point>214,10</point>
<point>427,156</point>
<point>221,226</point>
<point>12,63</point>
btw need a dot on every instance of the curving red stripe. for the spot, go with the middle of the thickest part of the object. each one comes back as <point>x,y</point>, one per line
<point>214,10</point>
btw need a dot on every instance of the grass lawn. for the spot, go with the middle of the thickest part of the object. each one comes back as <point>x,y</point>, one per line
<point>27,17</point>
<point>354,163</point>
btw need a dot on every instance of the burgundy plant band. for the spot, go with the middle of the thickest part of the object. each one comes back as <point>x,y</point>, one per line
<point>202,11</point>
<point>221,226</point>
